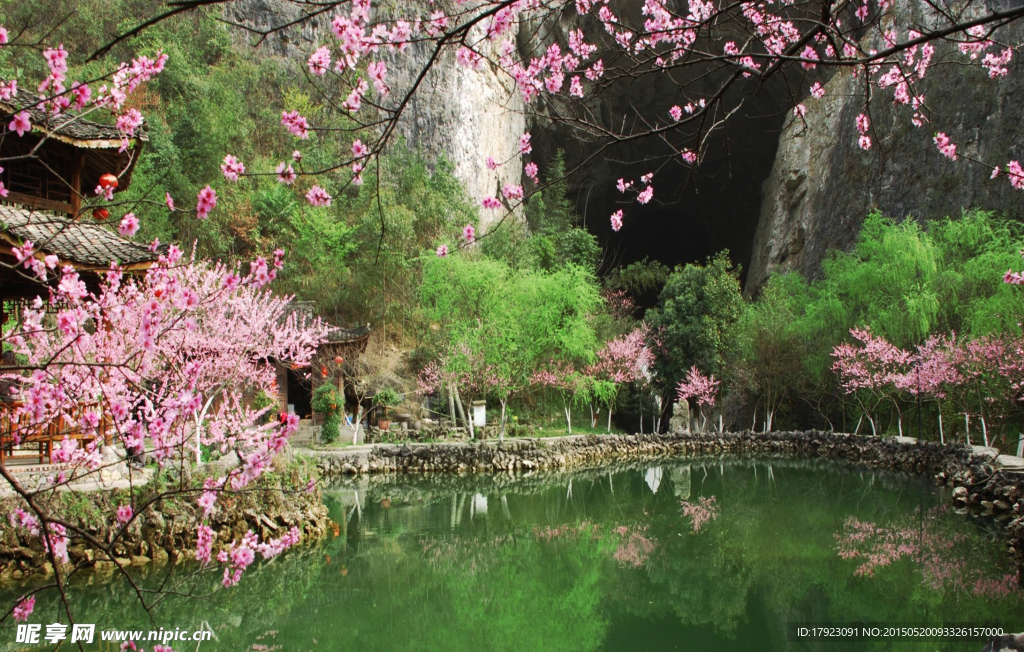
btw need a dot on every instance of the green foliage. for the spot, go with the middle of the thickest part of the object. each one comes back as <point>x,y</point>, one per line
<point>330,432</point>
<point>696,318</point>
<point>510,321</point>
<point>326,399</point>
<point>902,280</point>
<point>642,276</point>
<point>556,239</point>
<point>770,348</point>
<point>386,397</point>
<point>328,402</point>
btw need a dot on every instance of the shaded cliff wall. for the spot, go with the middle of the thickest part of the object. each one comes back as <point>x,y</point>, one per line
<point>822,185</point>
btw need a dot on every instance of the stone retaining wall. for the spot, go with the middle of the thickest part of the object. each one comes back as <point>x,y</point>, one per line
<point>978,486</point>
<point>164,532</point>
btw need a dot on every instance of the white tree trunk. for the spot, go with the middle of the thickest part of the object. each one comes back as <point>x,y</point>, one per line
<point>942,435</point>
<point>501,432</point>
<point>609,418</point>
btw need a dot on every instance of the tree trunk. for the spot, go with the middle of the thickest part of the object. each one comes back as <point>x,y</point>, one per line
<point>609,419</point>
<point>942,435</point>
<point>501,431</point>
<point>458,405</point>
<point>568,419</point>
<point>359,420</point>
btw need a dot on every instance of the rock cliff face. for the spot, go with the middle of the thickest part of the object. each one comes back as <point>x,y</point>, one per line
<point>822,185</point>
<point>459,113</point>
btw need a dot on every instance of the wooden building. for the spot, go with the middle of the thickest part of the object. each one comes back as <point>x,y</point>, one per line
<point>59,163</point>
<point>295,386</point>
<point>47,174</point>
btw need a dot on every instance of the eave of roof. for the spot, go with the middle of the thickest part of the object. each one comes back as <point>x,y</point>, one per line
<point>83,245</point>
<point>75,130</point>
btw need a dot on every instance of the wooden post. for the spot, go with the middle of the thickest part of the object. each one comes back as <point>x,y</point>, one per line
<point>76,186</point>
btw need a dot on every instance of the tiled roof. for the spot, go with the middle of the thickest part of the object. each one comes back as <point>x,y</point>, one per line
<point>80,243</point>
<point>71,126</point>
<point>344,335</point>
<point>336,336</point>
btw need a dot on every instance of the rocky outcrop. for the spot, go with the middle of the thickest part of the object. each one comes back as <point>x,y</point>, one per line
<point>822,185</point>
<point>461,114</point>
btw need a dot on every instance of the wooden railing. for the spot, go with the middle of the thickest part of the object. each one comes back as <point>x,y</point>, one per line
<point>16,430</point>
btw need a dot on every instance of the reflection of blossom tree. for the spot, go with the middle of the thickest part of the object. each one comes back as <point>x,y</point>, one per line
<point>937,553</point>
<point>634,547</point>
<point>700,512</point>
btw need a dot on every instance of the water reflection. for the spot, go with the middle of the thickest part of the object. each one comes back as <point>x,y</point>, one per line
<point>685,554</point>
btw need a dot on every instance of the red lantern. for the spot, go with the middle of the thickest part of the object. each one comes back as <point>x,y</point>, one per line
<point>108,181</point>
<point>323,370</point>
<point>100,214</point>
<point>338,359</point>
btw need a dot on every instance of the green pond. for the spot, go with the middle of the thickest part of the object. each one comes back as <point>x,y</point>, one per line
<point>674,555</point>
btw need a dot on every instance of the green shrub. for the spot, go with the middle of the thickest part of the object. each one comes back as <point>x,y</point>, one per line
<point>331,430</point>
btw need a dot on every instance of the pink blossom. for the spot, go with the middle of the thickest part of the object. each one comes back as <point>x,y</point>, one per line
<point>491,203</point>
<point>82,94</point>
<point>863,124</point>
<point>676,112</point>
<point>3,36</point>
<point>130,121</point>
<point>469,233</point>
<point>232,167</point>
<point>378,72</point>
<point>207,201</point>
<point>317,196</point>
<point>810,55</point>
<point>296,156</point>
<point>204,543</point>
<point>698,386</point>
<point>129,225</point>
<point>947,148</point>
<point>295,123</point>
<point>25,606</point>
<point>1016,174</point>
<point>491,163</point>
<point>617,220</point>
<point>512,192</point>
<point>320,61</point>
<point>817,91</point>
<point>864,142</point>
<point>124,513</point>
<point>799,110</point>
<point>576,87</point>
<point>524,143</point>
<point>468,58</point>
<point>21,123</point>
<point>286,173</point>
<point>207,501</point>
<point>359,150</point>
<point>531,171</point>
<point>688,155</point>
<point>442,251</point>
<point>645,195</point>
<point>169,201</point>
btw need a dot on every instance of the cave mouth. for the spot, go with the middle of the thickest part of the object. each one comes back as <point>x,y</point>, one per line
<point>694,213</point>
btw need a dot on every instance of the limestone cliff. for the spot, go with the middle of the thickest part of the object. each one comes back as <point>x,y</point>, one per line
<point>462,114</point>
<point>822,185</point>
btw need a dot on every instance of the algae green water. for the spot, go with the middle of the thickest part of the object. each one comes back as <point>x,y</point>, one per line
<point>664,556</point>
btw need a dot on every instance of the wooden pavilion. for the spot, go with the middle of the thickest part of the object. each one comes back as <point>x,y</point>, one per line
<point>47,173</point>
